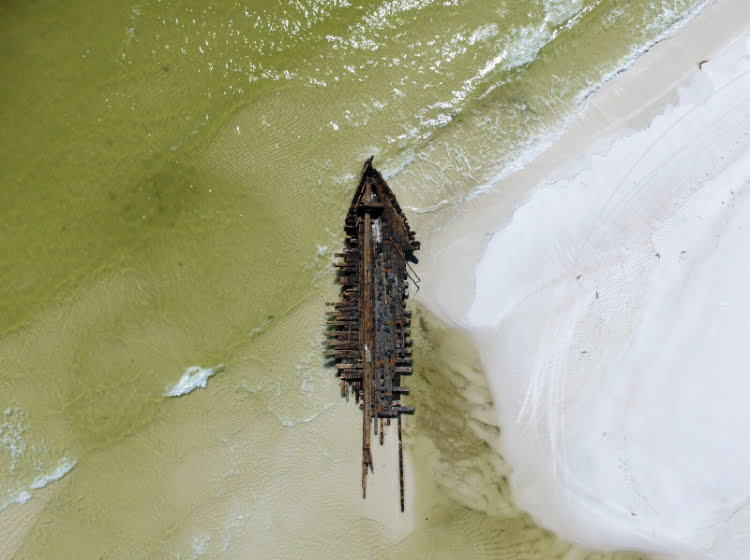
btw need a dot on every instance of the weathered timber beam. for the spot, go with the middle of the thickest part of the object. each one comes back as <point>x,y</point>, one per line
<point>353,347</point>
<point>348,365</point>
<point>347,306</point>
<point>367,369</point>
<point>373,207</point>
<point>343,316</point>
<point>342,353</point>
<point>343,333</point>
<point>343,340</point>
<point>341,323</point>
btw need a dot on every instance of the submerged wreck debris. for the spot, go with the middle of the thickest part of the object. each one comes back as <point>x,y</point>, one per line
<point>369,329</point>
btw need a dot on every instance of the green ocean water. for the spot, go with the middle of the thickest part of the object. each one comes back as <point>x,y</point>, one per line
<point>173,177</point>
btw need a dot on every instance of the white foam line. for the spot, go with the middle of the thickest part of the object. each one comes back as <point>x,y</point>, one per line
<point>65,465</point>
<point>537,148</point>
<point>259,329</point>
<point>194,377</point>
<point>534,149</point>
<point>20,498</point>
<point>288,423</point>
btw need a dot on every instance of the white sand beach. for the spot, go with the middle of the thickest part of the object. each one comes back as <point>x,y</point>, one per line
<point>606,288</point>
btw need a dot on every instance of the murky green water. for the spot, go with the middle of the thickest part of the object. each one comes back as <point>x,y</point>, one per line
<point>172,180</point>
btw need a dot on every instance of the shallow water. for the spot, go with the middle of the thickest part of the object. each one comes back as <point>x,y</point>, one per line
<point>172,181</point>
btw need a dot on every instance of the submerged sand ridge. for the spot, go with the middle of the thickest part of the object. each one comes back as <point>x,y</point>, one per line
<point>610,310</point>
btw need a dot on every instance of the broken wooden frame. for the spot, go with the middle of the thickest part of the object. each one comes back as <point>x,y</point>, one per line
<point>369,328</point>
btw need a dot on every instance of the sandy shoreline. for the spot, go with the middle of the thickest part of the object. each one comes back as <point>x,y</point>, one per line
<point>603,285</point>
<point>264,462</point>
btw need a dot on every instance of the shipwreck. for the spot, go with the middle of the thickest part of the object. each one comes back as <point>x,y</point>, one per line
<point>369,328</point>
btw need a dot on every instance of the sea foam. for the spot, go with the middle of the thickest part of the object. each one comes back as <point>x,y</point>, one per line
<point>194,377</point>
<point>26,461</point>
<point>19,498</point>
<point>65,465</point>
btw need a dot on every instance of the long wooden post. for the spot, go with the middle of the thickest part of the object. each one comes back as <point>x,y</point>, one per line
<point>400,463</point>
<point>366,350</point>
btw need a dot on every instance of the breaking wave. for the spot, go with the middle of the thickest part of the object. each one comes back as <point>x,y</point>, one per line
<point>194,377</point>
<point>65,465</point>
<point>26,462</point>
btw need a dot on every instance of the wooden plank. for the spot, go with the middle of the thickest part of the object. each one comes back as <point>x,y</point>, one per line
<point>349,365</point>
<point>400,465</point>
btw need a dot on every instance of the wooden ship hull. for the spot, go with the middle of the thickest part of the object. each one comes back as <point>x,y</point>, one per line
<point>369,328</point>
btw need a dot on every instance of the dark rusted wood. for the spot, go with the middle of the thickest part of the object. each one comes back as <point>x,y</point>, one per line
<point>368,334</point>
<point>365,341</point>
<point>400,464</point>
